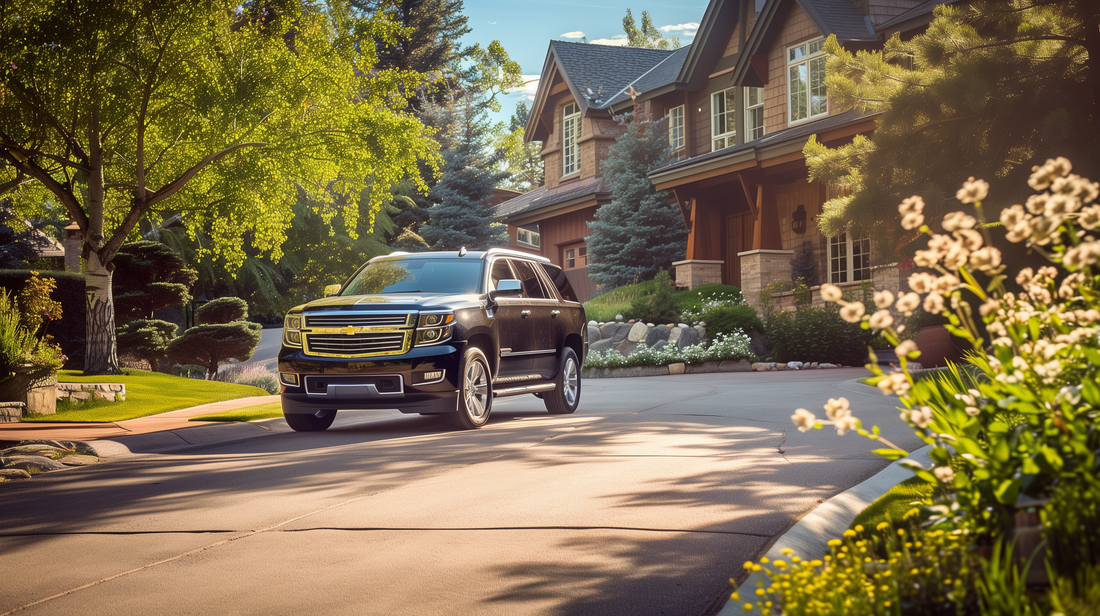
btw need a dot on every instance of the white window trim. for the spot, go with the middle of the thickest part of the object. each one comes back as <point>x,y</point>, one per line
<point>803,60</point>
<point>673,141</point>
<point>534,238</point>
<point>748,132</point>
<point>576,248</point>
<point>729,135</point>
<point>849,271</point>
<point>569,145</point>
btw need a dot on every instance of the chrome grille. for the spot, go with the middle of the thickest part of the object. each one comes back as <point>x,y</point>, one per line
<point>360,344</point>
<point>358,319</point>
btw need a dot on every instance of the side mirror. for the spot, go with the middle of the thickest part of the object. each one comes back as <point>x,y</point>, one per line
<point>331,290</point>
<point>506,288</point>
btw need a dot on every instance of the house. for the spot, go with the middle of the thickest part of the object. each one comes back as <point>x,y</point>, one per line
<point>741,102</point>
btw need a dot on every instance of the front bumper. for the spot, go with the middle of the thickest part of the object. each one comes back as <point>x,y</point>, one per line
<point>403,382</point>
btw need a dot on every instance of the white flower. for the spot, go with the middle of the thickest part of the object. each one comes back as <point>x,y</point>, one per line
<point>921,417</point>
<point>1024,277</point>
<point>905,348</point>
<point>912,205</point>
<point>944,474</point>
<point>845,423</point>
<point>836,408</point>
<point>1068,290</point>
<point>970,239</point>
<point>956,257</point>
<point>933,303</point>
<point>1037,204</point>
<point>804,419</point>
<point>1017,222</point>
<point>946,283</point>
<point>912,221</point>
<point>883,299</point>
<point>1042,177</point>
<point>881,320</point>
<point>830,293</point>
<point>973,411</point>
<point>894,383</point>
<point>907,303</point>
<point>853,312</point>
<point>1086,253</point>
<point>973,190</point>
<point>985,259</point>
<point>958,220</point>
<point>921,282</point>
<point>1089,217</point>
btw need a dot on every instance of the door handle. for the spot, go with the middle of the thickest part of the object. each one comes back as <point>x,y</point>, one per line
<point>555,313</point>
<point>525,313</point>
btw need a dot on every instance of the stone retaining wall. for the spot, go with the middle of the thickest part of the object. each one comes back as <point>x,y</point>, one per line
<point>11,412</point>
<point>631,336</point>
<point>78,392</point>
<point>729,365</point>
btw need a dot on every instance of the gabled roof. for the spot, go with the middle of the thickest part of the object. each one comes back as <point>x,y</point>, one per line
<point>917,16</point>
<point>661,75</point>
<point>542,198</point>
<point>715,29</point>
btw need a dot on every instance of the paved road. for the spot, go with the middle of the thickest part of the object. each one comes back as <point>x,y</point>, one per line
<point>267,352</point>
<point>644,502</point>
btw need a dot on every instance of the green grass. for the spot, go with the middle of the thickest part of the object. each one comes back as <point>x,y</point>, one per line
<point>269,410</point>
<point>891,507</point>
<point>617,301</point>
<point>147,393</point>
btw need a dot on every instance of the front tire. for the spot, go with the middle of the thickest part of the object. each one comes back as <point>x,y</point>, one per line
<point>475,395</point>
<point>315,422</point>
<point>566,396</point>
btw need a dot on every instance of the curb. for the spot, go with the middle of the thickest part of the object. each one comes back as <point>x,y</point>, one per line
<point>809,536</point>
<point>200,435</point>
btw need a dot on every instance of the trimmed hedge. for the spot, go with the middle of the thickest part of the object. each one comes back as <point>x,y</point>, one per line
<point>69,331</point>
<point>817,334</point>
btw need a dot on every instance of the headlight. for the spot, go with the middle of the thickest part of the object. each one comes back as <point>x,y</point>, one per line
<point>292,336</point>
<point>435,319</point>
<point>433,335</point>
<point>434,327</point>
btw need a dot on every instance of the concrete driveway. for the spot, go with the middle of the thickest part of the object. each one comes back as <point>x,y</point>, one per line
<point>646,501</point>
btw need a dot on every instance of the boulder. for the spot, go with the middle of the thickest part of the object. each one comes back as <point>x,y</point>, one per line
<point>660,344</point>
<point>702,331</point>
<point>757,344</point>
<point>812,365</point>
<point>649,325</point>
<point>594,334</point>
<point>33,449</point>
<point>77,446</point>
<point>682,325</point>
<point>618,317</point>
<point>593,323</point>
<point>639,371</point>
<point>781,366</point>
<point>626,347</point>
<point>763,366</point>
<point>33,464</point>
<point>676,368</point>
<point>794,365</point>
<point>655,335</point>
<point>670,325</point>
<point>621,332</point>
<point>600,345</point>
<point>7,474</point>
<point>637,332</point>
<point>607,330</point>
<point>630,322</point>
<point>690,337</point>
<point>674,335</point>
<point>731,365</point>
<point>79,460</point>
<point>826,365</point>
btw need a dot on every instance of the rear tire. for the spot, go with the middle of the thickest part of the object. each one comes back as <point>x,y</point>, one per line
<point>475,395</point>
<point>316,422</point>
<point>566,396</point>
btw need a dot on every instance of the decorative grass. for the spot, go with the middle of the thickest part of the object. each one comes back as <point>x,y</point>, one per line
<point>147,393</point>
<point>891,507</point>
<point>617,301</point>
<point>269,410</point>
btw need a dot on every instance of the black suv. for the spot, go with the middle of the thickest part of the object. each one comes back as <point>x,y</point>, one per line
<point>435,333</point>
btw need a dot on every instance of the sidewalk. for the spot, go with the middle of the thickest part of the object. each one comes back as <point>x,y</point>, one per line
<point>172,420</point>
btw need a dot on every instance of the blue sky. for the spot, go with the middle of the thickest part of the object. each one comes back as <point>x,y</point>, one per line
<point>525,28</point>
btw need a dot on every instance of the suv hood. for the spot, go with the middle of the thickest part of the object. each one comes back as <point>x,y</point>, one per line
<point>395,301</point>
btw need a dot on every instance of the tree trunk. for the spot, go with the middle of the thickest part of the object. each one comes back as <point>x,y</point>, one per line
<point>100,348</point>
<point>212,370</point>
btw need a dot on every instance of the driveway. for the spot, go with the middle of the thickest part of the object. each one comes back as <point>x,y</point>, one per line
<point>646,501</point>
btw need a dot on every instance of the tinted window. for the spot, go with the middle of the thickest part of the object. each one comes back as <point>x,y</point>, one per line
<point>532,286</point>
<point>417,276</point>
<point>500,271</point>
<point>561,281</point>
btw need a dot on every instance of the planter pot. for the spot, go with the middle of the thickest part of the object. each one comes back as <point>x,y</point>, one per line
<point>936,347</point>
<point>38,397</point>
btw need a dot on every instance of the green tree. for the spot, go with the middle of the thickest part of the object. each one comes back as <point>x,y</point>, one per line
<point>648,35</point>
<point>146,339</point>
<point>149,276</point>
<point>992,87</point>
<point>639,233</point>
<point>124,109</point>
<point>521,159</point>
<point>222,335</point>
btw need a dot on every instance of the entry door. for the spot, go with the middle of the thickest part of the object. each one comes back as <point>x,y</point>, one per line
<point>738,239</point>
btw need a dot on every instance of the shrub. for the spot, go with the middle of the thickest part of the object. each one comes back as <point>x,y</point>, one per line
<point>256,375</point>
<point>146,339</point>
<point>67,332</point>
<point>816,334</point>
<point>24,358</point>
<point>727,319</point>
<point>214,345</point>
<point>722,347</point>
<point>804,265</point>
<point>659,306</point>
<point>222,310</point>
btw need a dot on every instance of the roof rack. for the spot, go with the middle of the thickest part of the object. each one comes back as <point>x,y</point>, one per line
<point>515,253</point>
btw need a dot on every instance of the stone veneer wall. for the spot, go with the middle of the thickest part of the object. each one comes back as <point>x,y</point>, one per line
<point>78,392</point>
<point>883,277</point>
<point>697,272</point>
<point>760,267</point>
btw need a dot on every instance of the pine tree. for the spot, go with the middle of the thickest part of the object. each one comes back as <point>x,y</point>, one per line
<point>639,233</point>
<point>992,88</point>
<point>648,35</point>
<point>150,277</point>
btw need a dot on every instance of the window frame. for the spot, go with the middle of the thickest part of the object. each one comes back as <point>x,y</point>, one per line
<point>750,128</point>
<point>728,137</point>
<point>849,256</point>
<point>570,131</point>
<point>580,253</point>
<point>810,59</point>
<point>676,139</point>
<point>532,235</point>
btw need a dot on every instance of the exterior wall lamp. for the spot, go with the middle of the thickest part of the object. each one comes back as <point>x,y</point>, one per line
<point>798,219</point>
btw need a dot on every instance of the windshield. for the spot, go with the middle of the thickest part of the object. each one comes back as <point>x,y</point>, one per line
<point>418,276</point>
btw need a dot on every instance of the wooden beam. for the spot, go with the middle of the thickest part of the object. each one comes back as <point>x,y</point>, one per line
<point>684,215</point>
<point>759,64</point>
<point>559,88</point>
<point>706,175</point>
<point>748,194</point>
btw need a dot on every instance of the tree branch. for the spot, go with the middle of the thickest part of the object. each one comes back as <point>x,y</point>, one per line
<point>175,186</point>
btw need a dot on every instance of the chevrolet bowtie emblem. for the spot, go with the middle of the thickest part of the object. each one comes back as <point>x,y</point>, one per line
<point>349,330</point>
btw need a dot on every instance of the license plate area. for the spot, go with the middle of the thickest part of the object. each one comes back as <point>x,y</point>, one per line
<point>355,386</point>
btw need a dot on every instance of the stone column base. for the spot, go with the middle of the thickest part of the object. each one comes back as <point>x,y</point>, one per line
<point>760,267</point>
<point>698,272</point>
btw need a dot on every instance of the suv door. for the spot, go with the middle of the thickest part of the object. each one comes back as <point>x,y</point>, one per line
<point>515,362</point>
<point>536,324</point>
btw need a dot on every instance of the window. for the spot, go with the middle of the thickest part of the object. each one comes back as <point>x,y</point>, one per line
<point>676,128</point>
<point>576,257</point>
<point>723,126</point>
<point>570,129</point>
<point>500,271</point>
<point>806,81</point>
<point>754,113</point>
<point>532,286</point>
<point>849,260</point>
<point>529,236</point>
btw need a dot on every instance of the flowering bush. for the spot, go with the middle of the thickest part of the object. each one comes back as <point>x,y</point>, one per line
<point>722,347</point>
<point>713,302</point>
<point>256,375</point>
<point>1017,425</point>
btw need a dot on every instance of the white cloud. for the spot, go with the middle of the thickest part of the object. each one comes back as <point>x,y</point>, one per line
<point>528,89</point>
<point>619,40</point>
<point>492,23</point>
<point>688,29</point>
<point>576,34</point>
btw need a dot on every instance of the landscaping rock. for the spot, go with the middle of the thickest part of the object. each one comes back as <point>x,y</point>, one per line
<point>33,449</point>
<point>781,366</point>
<point>794,365</point>
<point>763,366</point>
<point>812,365</point>
<point>618,317</point>
<point>703,368</point>
<point>827,365</point>
<point>637,332</point>
<point>630,322</point>
<point>660,344</point>
<point>690,337</point>
<point>649,325</point>
<point>33,464</point>
<point>600,345</point>
<point>11,412</point>
<point>639,371</point>
<point>607,330</point>
<point>757,344</point>
<point>730,365</point>
<point>626,347</point>
<point>79,460</point>
<point>594,334</point>
<point>592,324</point>
<point>71,446</point>
<point>682,325</point>
<point>7,474</point>
<point>655,335</point>
<point>702,331</point>
<point>676,368</point>
<point>674,335</point>
<point>621,332</point>
<point>670,325</point>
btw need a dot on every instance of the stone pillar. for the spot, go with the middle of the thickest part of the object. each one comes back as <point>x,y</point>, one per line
<point>73,241</point>
<point>760,267</point>
<point>697,272</point>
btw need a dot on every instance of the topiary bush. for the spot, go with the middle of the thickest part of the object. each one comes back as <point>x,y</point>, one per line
<point>816,334</point>
<point>659,306</point>
<point>222,310</point>
<point>146,339</point>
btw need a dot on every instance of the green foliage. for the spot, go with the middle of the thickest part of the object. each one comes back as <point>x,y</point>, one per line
<point>722,347</point>
<point>213,345</point>
<point>660,306</point>
<point>726,319</point>
<point>639,232</point>
<point>270,410</point>
<point>150,277</point>
<point>68,332</point>
<point>222,310</point>
<point>256,375</point>
<point>522,159</point>
<point>16,247</point>
<point>146,339</point>
<point>816,334</point>
<point>24,358</point>
<point>893,506</point>
<point>605,307</point>
<point>804,265</point>
<point>36,307</point>
<point>648,35</point>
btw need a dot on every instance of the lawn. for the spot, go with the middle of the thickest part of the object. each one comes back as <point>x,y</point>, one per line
<point>617,301</point>
<point>891,507</point>
<point>270,410</point>
<point>147,393</point>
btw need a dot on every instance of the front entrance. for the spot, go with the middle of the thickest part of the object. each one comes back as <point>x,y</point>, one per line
<point>738,239</point>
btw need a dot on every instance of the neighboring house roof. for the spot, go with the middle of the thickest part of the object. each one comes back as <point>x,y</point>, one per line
<point>663,74</point>
<point>840,17</point>
<point>917,16</point>
<point>542,198</point>
<point>714,31</point>
<point>600,72</point>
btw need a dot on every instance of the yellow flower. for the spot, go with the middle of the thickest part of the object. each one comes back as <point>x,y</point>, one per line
<point>764,560</point>
<point>834,543</point>
<point>786,551</point>
<point>882,526</point>
<point>747,607</point>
